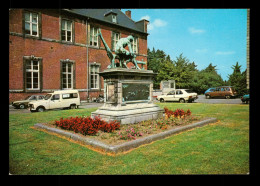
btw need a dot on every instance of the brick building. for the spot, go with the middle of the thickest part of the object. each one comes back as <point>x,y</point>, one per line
<point>56,49</point>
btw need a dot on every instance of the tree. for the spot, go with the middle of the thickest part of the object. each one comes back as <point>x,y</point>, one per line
<point>154,61</point>
<point>238,79</point>
<point>206,79</point>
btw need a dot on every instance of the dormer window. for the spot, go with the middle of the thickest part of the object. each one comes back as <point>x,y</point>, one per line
<point>111,16</point>
<point>114,18</point>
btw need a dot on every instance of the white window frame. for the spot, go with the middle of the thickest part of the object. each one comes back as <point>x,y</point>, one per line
<point>32,23</point>
<point>95,75</point>
<point>67,74</point>
<point>135,45</point>
<point>115,39</point>
<point>93,35</point>
<point>114,20</point>
<point>32,71</point>
<point>66,30</point>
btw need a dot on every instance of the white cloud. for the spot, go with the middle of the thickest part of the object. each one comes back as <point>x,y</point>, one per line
<point>225,52</point>
<point>193,30</point>
<point>201,50</point>
<point>157,23</point>
<point>147,17</point>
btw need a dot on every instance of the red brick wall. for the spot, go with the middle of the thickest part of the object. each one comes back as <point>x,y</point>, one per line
<point>50,26</point>
<point>15,20</point>
<point>53,52</point>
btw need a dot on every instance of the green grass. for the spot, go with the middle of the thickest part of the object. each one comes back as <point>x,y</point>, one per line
<point>221,148</point>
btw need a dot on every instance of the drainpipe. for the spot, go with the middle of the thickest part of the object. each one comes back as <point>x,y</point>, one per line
<point>87,62</point>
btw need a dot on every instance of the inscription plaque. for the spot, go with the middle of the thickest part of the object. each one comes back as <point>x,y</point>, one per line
<point>135,92</point>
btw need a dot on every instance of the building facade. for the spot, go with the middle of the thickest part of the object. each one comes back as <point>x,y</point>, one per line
<point>58,49</point>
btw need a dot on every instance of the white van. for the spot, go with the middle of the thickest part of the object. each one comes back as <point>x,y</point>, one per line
<point>57,99</point>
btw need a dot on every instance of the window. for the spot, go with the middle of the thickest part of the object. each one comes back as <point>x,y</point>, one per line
<point>179,92</point>
<point>171,93</point>
<point>115,39</point>
<point>134,45</point>
<point>69,95</point>
<point>67,75</point>
<point>33,98</point>
<point>66,30</point>
<point>93,40</point>
<point>55,97</point>
<point>32,75</point>
<point>40,97</point>
<point>94,76</point>
<point>31,23</point>
<point>114,18</point>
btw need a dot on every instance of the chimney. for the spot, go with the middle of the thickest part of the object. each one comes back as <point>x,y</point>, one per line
<point>128,13</point>
<point>146,22</point>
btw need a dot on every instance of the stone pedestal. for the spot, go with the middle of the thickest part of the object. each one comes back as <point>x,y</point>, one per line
<point>128,96</point>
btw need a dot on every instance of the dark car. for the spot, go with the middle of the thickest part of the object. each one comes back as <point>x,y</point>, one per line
<point>245,98</point>
<point>222,91</point>
<point>24,103</point>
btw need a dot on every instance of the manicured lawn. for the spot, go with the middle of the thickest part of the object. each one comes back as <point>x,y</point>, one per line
<point>221,148</point>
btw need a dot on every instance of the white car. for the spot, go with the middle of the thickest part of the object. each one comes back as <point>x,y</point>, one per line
<point>57,99</point>
<point>180,95</point>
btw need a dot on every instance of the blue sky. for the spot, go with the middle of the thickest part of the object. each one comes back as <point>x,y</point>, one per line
<point>205,36</point>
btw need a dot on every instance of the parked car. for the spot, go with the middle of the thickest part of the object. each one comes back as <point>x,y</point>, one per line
<point>245,98</point>
<point>210,90</point>
<point>222,91</point>
<point>24,103</point>
<point>181,95</point>
<point>57,99</point>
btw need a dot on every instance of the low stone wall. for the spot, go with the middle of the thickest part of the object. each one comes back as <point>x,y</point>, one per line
<point>127,145</point>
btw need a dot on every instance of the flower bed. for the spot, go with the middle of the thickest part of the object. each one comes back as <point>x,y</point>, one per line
<point>87,125</point>
<point>114,133</point>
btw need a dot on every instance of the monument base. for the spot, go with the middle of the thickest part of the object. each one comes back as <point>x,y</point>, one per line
<point>128,96</point>
<point>129,114</point>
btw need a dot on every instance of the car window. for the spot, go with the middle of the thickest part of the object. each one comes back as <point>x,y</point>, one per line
<point>171,93</point>
<point>178,92</point>
<point>222,89</point>
<point>47,96</point>
<point>217,89</point>
<point>32,98</point>
<point>40,97</point>
<point>228,89</point>
<point>55,97</point>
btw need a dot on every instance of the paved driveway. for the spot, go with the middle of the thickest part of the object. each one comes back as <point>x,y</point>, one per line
<point>12,110</point>
<point>201,99</point>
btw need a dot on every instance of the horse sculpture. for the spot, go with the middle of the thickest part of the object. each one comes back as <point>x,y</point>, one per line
<point>121,54</point>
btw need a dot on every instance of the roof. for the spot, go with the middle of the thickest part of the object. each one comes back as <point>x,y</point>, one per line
<point>100,14</point>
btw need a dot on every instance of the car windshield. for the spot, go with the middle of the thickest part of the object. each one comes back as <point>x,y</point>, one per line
<point>47,96</point>
<point>27,98</point>
<point>189,91</point>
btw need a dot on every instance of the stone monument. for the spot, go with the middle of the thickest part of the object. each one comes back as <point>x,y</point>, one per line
<point>127,92</point>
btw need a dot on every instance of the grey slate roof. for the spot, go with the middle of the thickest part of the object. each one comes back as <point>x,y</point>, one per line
<point>99,14</point>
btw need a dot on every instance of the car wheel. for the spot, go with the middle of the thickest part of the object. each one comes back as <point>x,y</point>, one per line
<point>21,106</point>
<point>227,97</point>
<point>207,96</point>
<point>161,100</point>
<point>182,100</point>
<point>73,106</point>
<point>247,101</point>
<point>40,109</point>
